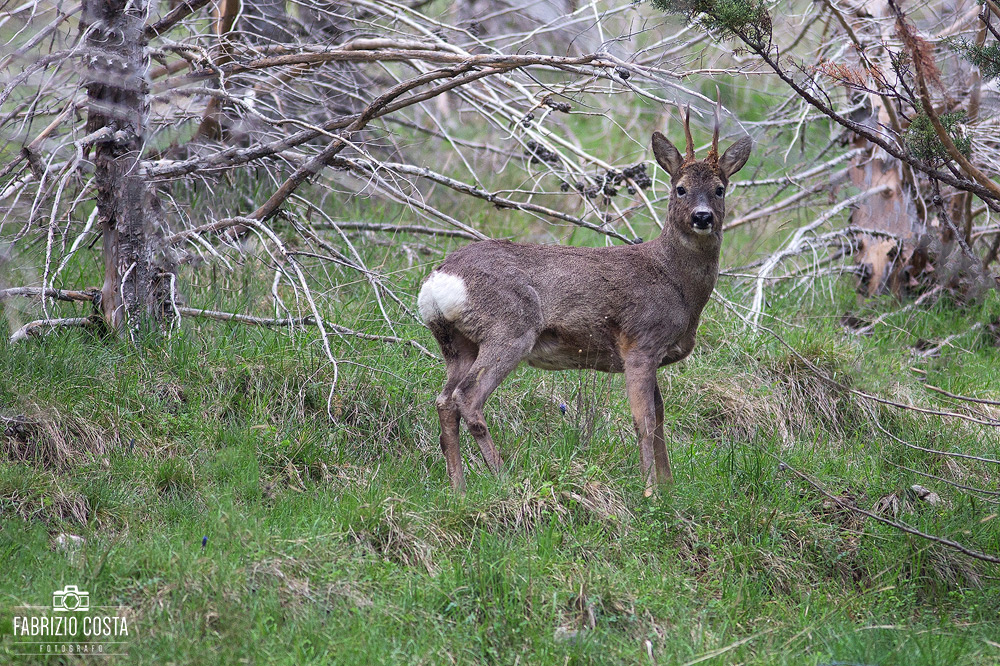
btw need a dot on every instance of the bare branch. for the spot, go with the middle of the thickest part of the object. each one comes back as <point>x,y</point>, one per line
<point>57,294</point>
<point>42,326</point>
<point>964,398</point>
<point>179,12</point>
<point>308,320</point>
<point>794,244</point>
<point>399,229</point>
<point>902,527</point>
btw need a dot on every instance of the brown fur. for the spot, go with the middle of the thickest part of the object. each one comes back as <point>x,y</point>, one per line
<point>624,309</point>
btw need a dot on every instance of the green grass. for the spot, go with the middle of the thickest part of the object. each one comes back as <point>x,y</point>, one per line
<point>340,542</point>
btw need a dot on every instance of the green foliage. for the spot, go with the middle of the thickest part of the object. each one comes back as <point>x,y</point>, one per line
<point>922,141</point>
<point>747,20</point>
<point>986,56</point>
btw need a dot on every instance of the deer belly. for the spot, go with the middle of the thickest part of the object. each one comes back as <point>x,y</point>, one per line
<point>553,351</point>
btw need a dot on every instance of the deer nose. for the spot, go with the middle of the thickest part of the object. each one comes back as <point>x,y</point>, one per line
<point>701,219</point>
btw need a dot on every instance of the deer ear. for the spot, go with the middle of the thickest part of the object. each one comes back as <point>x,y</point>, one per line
<point>734,158</point>
<point>666,155</point>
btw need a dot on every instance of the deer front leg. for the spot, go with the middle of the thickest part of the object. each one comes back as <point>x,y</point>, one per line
<point>661,460</point>
<point>647,413</point>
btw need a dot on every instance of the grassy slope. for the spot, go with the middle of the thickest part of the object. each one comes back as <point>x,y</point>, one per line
<point>340,541</point>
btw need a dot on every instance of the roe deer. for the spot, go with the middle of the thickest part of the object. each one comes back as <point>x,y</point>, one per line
<point>631,309</point>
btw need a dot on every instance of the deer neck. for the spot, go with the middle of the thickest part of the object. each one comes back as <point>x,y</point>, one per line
<point>690,261</point>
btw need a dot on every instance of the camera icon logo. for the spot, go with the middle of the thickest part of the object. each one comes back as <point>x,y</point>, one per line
<point>70,598</point>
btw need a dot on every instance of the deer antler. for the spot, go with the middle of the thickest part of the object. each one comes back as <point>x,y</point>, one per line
<point>713,153</point>
<point>689,142</point>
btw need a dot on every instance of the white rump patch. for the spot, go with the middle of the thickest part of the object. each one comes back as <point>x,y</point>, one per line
<point>443,295</point>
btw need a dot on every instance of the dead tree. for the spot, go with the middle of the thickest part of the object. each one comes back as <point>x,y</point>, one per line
<point>135,288</point>
<point>331,103</point>
<point>316,103</point>
<point>898,210</point>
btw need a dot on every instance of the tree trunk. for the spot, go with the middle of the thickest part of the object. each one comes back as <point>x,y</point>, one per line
<point>117,89</point>
<point>886,265</point>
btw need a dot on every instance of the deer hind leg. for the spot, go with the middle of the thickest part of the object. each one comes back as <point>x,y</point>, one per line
<point>494,362</point>
<point>459,355</point>
<point>647,413</point>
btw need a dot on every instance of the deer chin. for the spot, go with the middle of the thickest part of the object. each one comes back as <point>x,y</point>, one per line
<point>703,231</point>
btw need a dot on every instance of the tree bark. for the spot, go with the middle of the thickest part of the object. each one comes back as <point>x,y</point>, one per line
<point>117,91</point>
<point>886,265</point>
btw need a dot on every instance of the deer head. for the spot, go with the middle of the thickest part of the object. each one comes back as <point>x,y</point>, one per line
<point>698,195</point>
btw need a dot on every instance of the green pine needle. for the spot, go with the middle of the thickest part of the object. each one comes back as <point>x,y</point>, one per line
<point>747,20</point>
<point>922,141</point>
<point>985,57</point>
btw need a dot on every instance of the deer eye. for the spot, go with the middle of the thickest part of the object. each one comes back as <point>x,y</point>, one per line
<point>681,191</point>
<point>719,191</point>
